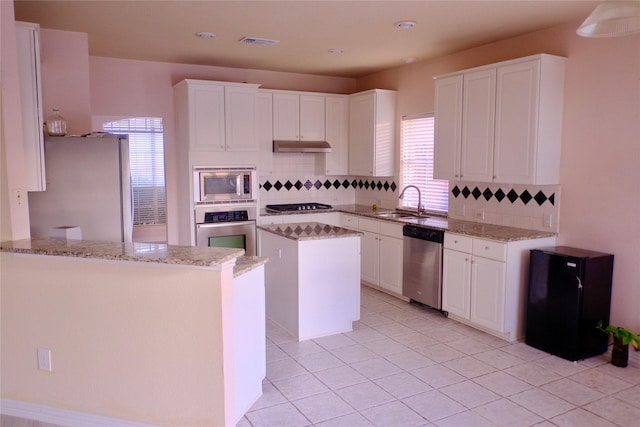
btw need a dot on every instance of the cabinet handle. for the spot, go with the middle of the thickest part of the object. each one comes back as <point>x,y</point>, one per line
<point>466,260</point>
<point>486,248</point>
<point>455,242</point>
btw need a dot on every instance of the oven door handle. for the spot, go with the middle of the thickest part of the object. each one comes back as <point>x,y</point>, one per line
<point>223,224</point>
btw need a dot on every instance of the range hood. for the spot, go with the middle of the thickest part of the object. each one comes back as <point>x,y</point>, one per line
<point>301,147</point>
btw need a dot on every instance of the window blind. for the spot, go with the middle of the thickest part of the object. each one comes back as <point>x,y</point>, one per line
<point>416,164</point>
<point>146,158</point>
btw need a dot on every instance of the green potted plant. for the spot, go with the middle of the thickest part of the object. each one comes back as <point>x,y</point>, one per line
<point>621,339</point>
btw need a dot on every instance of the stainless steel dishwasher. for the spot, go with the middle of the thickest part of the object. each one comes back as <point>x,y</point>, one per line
<point>422,265</point>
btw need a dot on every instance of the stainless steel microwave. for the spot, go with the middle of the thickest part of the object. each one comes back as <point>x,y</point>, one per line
<point>221,184</point>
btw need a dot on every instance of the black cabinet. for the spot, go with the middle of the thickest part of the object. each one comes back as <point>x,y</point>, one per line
<point>569,292</point>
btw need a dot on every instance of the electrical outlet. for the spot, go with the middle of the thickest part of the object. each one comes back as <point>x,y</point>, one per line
<point>480,214</point>
<point>547,220</point>
<point>460,210</point>
<point>44,359</point>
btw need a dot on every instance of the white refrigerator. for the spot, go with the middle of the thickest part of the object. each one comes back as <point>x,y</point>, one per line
<point>88,185</point>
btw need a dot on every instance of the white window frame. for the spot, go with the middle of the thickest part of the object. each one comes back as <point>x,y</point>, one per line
<point>146,159</point>
<point>417,143</point>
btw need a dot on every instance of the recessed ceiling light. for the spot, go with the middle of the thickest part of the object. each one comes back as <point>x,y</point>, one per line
<point>259,41</point>
<point>205,35</point>
<point>405,24</point>
<point>336,51</point>
<point>409,60</point>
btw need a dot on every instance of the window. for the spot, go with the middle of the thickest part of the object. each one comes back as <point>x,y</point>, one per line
<point>416,164</point>
<point>146,158</point>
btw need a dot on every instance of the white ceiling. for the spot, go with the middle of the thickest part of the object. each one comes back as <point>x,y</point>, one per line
<point>164,30</point>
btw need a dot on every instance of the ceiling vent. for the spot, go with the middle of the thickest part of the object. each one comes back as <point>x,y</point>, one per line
<point>259,41</point>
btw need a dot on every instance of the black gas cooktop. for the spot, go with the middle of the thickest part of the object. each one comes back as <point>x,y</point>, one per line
<point>295,207</point>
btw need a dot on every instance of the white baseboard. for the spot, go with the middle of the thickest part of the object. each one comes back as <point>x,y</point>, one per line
<point>63,417</point>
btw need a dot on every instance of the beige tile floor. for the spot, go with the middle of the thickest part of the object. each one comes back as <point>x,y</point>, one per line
<point>405,365</point>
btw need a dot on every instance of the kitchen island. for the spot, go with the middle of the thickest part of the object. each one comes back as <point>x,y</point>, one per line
<point>312,280</point>
<point>132,333</point>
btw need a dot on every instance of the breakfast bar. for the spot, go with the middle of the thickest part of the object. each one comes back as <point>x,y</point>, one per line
<point>143,333</point>
<point>312,280</point>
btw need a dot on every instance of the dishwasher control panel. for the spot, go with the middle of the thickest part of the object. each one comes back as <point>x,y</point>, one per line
<point>421,233</point>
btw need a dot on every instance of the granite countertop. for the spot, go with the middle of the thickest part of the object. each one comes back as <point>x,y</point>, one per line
<point>136,252</point>
<point>309,231</point>
<point>470,228</point>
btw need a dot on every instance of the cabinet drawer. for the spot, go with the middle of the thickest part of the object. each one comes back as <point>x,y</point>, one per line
<point>349,221</point>
<point>391,229</point>
<point>369,225</point>
<point>458,242</point>
<point>490,249</point>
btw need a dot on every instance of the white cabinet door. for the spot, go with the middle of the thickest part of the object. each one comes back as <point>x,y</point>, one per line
<point>286,116</point>
<point>312,118</point>
<point>206,104</point>
<point>372,117</point>
<point>336,132</point>
<point>478,112</point>
<point>28,47</point>
<point>448,127</point>
<point>487,293</point>
<point>264,131</point>
<point>369,256</point>
<point>361,134</point>
<point>456,283</point>
<point>516,118</point>
<point>240,117</point>
<point>391,263</point>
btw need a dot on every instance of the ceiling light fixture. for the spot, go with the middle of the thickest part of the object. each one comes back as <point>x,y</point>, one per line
<point>259,41</point>
<point>205,35</point>
<point>336,51</point>
<point>409,60</point>
<point>405,24</point>
<point>612,19</point>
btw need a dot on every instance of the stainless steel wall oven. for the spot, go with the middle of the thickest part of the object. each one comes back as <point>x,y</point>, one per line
<point>227,226</point>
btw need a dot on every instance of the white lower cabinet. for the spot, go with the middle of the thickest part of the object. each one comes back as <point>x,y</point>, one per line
<point>485,282</point>
<point>381,252</point>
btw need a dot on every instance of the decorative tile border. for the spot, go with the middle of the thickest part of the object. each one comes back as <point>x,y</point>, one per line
<point>525,196</point>
<point>288,185</point>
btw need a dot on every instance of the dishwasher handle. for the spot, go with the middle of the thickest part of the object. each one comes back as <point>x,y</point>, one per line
<point>422,233</point>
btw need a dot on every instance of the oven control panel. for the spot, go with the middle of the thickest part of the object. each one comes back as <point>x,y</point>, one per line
<point>226,216</point>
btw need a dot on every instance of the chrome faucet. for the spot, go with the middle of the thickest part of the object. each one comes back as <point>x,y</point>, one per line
<point>419,196</point>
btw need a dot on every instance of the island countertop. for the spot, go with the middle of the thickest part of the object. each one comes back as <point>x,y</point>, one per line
<point>136,252</point>
<point>309,231</point>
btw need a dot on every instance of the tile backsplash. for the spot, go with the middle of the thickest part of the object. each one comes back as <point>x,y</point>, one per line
<point>523,206</point>
<point>534,207</point>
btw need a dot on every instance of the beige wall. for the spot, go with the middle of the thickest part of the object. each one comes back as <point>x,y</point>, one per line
<point>131,342</point>
<point>600,163</point>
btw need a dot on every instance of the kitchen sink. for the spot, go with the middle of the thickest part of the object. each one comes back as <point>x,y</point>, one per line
<point>394,215</point>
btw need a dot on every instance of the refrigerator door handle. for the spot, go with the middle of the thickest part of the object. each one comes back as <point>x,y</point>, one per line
<point>579,282</point>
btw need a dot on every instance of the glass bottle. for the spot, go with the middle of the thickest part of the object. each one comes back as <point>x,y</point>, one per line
<point>56,124</point>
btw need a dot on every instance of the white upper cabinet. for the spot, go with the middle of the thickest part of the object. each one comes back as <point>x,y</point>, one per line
<point>298,117</point>
<point>478,115</point>
<point>372,119</point>
<point>216,116</point>
<point>337,132</point>
<point>264,131</point>
<point>510,121</point>
<point>448,127</point>
<point>28,47</point>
